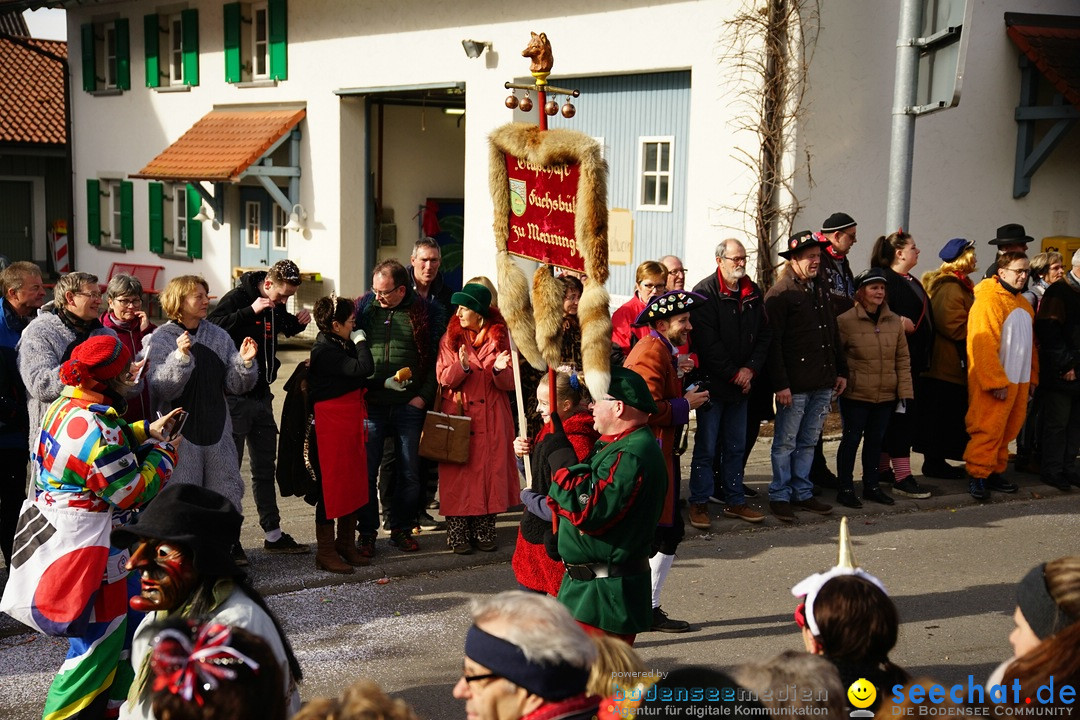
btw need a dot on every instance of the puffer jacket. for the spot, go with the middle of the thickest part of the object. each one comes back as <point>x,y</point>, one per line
<point>879,368</point>
<point>406,335</point>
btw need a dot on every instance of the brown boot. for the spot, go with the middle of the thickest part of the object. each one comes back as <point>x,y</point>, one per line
<point>346,541</point>
<point>326,557</point>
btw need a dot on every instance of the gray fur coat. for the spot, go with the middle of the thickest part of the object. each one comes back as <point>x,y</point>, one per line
<point>42,349</point>
<point>199,382</point>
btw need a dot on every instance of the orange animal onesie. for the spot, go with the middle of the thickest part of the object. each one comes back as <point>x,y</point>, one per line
<point>1001,355</point>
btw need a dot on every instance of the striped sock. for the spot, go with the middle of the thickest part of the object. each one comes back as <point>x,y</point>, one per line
<point>902,467</point>
<point>883,462</point>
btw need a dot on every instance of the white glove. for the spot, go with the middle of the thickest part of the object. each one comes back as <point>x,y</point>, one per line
<point>357,336</point>
<point>392,384</point>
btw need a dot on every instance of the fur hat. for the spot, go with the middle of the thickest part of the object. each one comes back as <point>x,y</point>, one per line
<point>474,296</point>
<point>669,305</point>
<point>100,359</point>
<point>837,221</point>
<point>201,520</point>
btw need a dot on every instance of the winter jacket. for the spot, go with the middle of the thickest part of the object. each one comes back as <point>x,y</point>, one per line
<point>406,335</point>
<point>44,346</point>
<point>14,418</point>
<point>623,333</point>
<point>950,301</point>
<point>1000,341</point>
<point>132,336</point>
<point>879,369</point>
<point>488,482</point>
<point>438,297</point>
<point>1057,328</point>
<point>907,298</point>
<point>730,332</point>
<point>836,273</point>
<point>805,351</point>
<point>234,314</point>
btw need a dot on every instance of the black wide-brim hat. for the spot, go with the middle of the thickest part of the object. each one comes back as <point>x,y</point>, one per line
<point>669,305</point>
<point>1011,234</point>
<point>201,520</point>
<point>801,241</point>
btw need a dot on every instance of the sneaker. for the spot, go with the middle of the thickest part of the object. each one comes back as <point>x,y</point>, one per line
<point>977,488</point>
<point>433,505</point>
<point>662,623</point>
<point>813,505</point>
<point>239,557</point>
<point>699,516</point>
<point>999,484</point>
<point>847,498</point>
<point>365,544</point>
<point>285,545</point>
<point>909,487</point>
<point>942,470</point>
<point>877,495</point>
<point>403,540</point>
<point>426,522</point>
<point>748,491</point>
<point>743,512</point>
<point>782,510</point>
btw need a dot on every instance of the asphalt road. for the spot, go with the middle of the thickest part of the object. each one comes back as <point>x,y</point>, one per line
<point>951,572</point>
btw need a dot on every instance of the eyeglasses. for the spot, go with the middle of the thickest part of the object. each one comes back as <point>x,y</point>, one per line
<point>127,302</point>
<point>650,286</point>
<point>91,295</point>
<point>741,260</point>
<point>677,271</point>
<point>385,293</point>
<point>476,678</point>
<point>1019,271</point>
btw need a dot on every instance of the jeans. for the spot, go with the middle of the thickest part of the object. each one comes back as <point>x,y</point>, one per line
<point>402,423</point>
<point>253,423</point>
<point>723,422</point>
<point>796,432</point>
<point>866,421</point>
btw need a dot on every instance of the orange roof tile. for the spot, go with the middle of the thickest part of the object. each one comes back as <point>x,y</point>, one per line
<point>1052,42</point>
<point>32,92</point>
<point>222,145</point>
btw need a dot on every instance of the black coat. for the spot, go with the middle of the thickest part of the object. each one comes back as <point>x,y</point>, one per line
<point>905,300</point>
<point>730,332</point>
<point>805,351</point>
<point>1057,329</point>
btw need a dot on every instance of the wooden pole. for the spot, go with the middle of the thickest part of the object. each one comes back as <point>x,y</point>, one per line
<point>523,426</point>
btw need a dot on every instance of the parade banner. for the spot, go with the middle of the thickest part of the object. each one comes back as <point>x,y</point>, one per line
<point>543,203</point>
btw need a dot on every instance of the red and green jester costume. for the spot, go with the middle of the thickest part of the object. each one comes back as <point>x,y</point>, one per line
<point>606,509</point>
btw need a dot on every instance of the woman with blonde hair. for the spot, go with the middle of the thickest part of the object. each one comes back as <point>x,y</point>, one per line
<point>193,364</point>
<point>942,389</point>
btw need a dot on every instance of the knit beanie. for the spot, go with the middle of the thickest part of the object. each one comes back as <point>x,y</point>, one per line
<point>100,359</point>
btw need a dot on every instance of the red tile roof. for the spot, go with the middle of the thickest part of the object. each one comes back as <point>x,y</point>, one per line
<point>1052,42</point>
<point>222,145</point>
<point>32,92</point>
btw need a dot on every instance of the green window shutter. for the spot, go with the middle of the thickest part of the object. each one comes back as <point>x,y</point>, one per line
<point>232,43</point>
<point>157,217</point>
<point>93,211</point>
<point>278,31</point>
<point>189,20</point>
<point>152,50</point>
<point>89,72</point>
<point>194,227</point>
<point>123,55</point>
<point>127,215</point>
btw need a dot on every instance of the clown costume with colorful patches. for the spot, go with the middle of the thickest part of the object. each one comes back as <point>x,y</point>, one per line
<point>87,458</point>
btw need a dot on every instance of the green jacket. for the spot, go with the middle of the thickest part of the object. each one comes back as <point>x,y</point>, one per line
<point>406,335</point>
<point>608,507</point>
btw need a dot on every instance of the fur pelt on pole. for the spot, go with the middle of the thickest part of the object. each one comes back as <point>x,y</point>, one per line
<point>536,322</point>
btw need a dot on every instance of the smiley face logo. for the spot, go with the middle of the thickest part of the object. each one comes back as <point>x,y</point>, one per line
<point>862,693</point>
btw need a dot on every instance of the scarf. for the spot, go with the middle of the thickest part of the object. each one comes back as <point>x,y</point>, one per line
<point>81,328</point>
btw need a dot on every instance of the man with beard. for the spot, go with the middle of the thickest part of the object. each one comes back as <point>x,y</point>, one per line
<point>181,549</point>
<point>654,358</point>
<point>807,369</point>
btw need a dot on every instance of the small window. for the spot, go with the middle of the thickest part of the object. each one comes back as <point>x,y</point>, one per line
<point>106,56</point>
<point>176,50</point>
<point>110,57</point>
<point>115,215</point>
<point>180,220</point>
<point>281,235</point>
<point>260,39</point>
<point>655,176</point>
<point>252,216</point>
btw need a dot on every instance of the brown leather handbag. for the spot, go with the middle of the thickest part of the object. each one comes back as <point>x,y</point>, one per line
<point>445,438</point>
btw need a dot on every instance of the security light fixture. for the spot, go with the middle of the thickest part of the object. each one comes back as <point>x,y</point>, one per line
<point>297,218</point>
<point>475,48</point>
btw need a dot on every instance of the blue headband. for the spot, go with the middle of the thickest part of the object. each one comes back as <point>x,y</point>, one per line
<point>550,681</point>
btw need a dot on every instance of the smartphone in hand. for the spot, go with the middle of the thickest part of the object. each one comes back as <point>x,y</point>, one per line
<point>176,426</point>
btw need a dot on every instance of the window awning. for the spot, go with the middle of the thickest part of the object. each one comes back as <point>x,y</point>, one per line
<point>224,146</point>
<point>1052,42</point>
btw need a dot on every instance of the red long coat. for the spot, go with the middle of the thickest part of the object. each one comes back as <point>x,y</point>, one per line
<point>488,483</point>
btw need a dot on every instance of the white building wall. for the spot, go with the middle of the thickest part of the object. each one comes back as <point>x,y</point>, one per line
<point>335,44</point>
<point>964,157</point>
